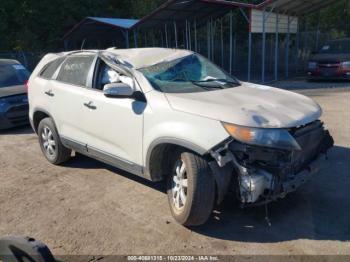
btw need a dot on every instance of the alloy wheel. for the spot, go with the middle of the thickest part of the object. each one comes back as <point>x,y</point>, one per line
<point>179,185</point>
<point>48,142</point>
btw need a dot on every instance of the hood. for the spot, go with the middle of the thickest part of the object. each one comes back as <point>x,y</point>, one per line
<point>330,58</point>
<point>12,90</point>
<point>249,105</point>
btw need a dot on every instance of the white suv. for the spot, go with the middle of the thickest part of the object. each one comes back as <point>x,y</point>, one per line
<point>172,115</point>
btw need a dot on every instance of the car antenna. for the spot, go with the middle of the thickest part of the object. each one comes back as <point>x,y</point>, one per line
<point>82,44</point>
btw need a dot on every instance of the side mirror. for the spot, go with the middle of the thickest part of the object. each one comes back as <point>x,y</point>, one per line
<point>118,90</point>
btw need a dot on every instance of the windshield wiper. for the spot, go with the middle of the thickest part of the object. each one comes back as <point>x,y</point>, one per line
<point>200,84</point>
<point>217,80</point>
<point>219,85</point>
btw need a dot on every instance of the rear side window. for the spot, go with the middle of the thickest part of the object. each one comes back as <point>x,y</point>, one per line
<point>13,75</point>
<point>75,70</point>
<point>51,68</point>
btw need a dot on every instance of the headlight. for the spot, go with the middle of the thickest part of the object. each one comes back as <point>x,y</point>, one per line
<point>275,138</point>
<point>346,64</point>
<point>312,65</point>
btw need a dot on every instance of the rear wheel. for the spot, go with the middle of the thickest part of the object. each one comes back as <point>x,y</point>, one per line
<point>190,189</point>
<point>50,144</point>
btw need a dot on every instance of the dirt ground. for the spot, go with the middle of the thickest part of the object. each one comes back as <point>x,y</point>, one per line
<point>86,207</point>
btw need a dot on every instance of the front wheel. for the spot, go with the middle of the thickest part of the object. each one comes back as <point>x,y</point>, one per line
<point>190,189</point>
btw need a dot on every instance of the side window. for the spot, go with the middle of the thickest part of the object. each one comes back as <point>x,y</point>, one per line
<point>75,70</point>
<point>51,68</point>
<point>106,75</point>
<point>13,75</point>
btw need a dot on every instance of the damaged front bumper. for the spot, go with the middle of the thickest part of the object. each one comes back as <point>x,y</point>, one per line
<point>260,175</point>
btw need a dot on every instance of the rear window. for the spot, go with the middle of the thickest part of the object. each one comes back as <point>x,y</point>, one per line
<point>75,70</point>
<point>336,47</point>
<point>51,68</point>
<point>13,75</point>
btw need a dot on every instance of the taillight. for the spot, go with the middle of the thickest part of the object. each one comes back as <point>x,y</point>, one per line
<point>26,85</point>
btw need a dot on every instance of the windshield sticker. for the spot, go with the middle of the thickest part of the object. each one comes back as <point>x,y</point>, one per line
<point>18,67</point>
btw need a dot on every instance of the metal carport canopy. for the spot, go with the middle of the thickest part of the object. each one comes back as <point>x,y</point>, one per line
<point>295,7</point>
<point>182,10</point>
<point>100,23</point>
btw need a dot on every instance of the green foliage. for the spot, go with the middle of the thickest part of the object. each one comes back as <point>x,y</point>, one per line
<point>33,25</point>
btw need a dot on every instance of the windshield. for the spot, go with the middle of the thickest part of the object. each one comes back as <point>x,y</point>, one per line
<point>13,75</point>
<point>188,74</point>
<point>336,47</point>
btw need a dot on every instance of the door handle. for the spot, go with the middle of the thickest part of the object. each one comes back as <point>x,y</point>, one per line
<point>49,93</point>
<point>90,105</point>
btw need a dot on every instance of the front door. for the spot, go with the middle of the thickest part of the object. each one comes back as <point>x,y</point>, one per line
<point>113,125</point>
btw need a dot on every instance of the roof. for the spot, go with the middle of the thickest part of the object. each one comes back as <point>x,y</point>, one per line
<point>118,22</point>
<point>181,10</point>
<point>142,57</point>
<point>8,62</point>
<point>296,7</point>
<point>101,23</point>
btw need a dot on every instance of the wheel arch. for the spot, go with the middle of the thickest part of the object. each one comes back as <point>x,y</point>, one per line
<point>156,161</point>
<point>38,115</point>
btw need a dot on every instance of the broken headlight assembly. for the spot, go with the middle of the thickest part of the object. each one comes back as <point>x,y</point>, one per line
<point>265,137</point>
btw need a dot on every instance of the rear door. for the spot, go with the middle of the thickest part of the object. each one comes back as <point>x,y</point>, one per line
<point>68,93</point>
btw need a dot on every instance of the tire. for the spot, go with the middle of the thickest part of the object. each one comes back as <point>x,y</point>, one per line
<point>199,195</point>
<point>50,143</point>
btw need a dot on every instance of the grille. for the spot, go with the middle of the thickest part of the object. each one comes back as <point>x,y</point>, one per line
<point>309,138</point>
<point>329,64</point>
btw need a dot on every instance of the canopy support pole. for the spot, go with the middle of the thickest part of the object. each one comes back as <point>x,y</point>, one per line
<point>231,41</point>
<point>189,35</point>
<point>195,36</point>
<point>186,34</point>
<point>318,31</point>
<point>276,46</point>
<point>127,38</point>
<point>166,35</point>
<point>208,38</point>
<point>248,19</point>
<point>222,43</point>
<point>175,30</point>
<point>287,47</point>
<point>212,26</point>
<point>135,37</point>
<point>265,18</point>
<point>263,47</point>
<point>297,50</point>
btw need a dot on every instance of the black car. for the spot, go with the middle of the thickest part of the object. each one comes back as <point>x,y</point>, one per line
<point>13,94</point>
<point>331,62</point>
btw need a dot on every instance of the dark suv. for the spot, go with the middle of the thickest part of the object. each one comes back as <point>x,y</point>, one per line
<point>331,62</point>
<point>13,94</point>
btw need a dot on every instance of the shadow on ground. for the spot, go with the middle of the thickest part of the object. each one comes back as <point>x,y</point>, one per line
<point>83,162</point>
<point>320,210</point>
